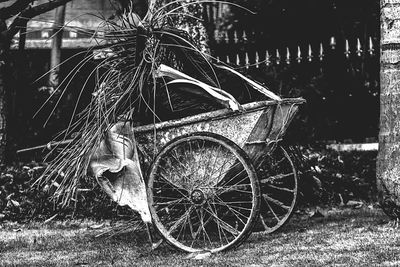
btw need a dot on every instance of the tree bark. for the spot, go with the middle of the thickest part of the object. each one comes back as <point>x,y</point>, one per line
<point>25,13</point>
<point>388,162</point>
<point>140,7</point>
<point>55,59</point>
<point>4,48</point>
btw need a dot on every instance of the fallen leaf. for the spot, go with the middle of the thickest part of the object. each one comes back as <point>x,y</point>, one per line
<point>50,219</point>
<point>202,256</point>
<point>96,226</point>
<point>317,182</point>
<point>198,255</point>
<point>354,204</point>
<point>317,169</point>
<point>13,203</point>
<point>156,244</point>
<point>25,168</point>
<point>316,214</point>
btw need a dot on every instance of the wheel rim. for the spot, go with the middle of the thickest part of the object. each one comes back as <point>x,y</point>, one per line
<point>203,194</point>
<point>278,185</point>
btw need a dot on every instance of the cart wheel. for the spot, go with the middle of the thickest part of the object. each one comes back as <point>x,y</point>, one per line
<point>278,182</point>
<point>203,193</point>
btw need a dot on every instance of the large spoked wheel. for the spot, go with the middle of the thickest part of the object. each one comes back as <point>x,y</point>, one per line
<point>203,193</point>
<point>278,182</point>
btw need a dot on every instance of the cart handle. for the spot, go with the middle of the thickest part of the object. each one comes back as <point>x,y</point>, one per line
<point>48,146</point>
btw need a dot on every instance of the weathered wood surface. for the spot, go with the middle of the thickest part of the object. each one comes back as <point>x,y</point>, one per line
<point>388,162</point>
<point>254,129</point>
<point>354,147</point>
<point>55,55</point>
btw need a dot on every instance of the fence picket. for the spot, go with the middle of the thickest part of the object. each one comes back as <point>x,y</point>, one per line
<point>267,58</point>
<point>244,50</point>
<point>310,56</point>
<point>278,57</point>
<point>257,60</point>
<point>226,38</point>
<point>298,54</point>
<point>347,49</point>
<point>371,47</point>
<point>287,55</point>
<point>321,52</point>
<point>359,48</point>
<point>332,42</point>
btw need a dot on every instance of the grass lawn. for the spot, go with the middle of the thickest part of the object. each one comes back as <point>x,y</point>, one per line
<point>344,237</point>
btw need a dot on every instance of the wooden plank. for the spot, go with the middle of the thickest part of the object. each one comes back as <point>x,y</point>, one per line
<point>67,43</point>
<point>354,147</point>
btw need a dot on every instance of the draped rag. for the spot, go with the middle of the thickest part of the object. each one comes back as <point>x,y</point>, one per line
<point>115,164</point>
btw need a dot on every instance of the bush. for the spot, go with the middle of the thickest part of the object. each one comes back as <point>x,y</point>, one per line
<point>325,177</point>
<point>331,177</point>
<point>21,200</point>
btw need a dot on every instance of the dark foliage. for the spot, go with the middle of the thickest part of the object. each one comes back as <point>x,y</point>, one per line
<point>326,177</point>
<point>28,81</point>
<point>21,201</point>
<point>331,177</point>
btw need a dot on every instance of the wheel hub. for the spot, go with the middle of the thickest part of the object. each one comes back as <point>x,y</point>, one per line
<point>197,196</point>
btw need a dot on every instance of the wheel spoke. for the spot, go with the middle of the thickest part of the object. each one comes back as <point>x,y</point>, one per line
<point>189,181</point>
<point>191,228</point>
<point>222,168</point>
<point>232,178</point>
<point>275,177</point>
<point>200,228</point>
<point>230,205</point>
<point>170,182</point>
<point>238,187</point>
<point>233,211</point>
<point>180,220</point>
<point>203,226</point>
<point>206,168</point>
<point>174,167</point>
<point>280,188</point>
<point>169,206</point>
<point>172,202</point>
<point>234,187</point>
<point>224,225</point>
<point>183,225</point>
<point>272,211</point>
<point>275,201</point>
<point>220,231</point>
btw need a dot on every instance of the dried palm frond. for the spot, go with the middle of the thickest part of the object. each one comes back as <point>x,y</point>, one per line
<point>129,87</point>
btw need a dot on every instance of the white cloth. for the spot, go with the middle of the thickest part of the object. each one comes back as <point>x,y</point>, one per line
<point>116,166</point>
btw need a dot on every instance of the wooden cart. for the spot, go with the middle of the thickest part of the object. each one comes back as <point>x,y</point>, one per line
<point>212,176</point>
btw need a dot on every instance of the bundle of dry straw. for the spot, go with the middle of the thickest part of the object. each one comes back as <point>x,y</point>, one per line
<point>150,73</point>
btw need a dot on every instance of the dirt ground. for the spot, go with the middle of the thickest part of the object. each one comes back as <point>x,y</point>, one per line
<point>334,236</point>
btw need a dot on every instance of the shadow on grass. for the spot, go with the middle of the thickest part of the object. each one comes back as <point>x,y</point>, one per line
<point>343,236</point>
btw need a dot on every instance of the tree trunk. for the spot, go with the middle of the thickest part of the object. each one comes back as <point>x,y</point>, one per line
<point>55,59</point>
<point>4,49</point>
<point>388,162</point>
<point>139,6</point>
